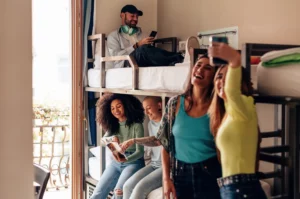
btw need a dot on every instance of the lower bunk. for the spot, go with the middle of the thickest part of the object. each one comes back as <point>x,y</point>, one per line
<point>94,163</point>
<point>94,173</point>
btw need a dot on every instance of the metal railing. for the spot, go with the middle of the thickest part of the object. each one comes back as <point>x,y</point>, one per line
<point>51,149</point>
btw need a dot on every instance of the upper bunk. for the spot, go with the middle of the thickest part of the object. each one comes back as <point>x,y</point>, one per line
<point>278,85</point>
<point>165,81</point>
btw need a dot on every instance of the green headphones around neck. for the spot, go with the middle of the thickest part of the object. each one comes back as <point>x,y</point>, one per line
<point>127,30</point>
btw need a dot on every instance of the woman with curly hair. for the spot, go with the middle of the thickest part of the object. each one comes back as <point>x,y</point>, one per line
<point>121,116</point>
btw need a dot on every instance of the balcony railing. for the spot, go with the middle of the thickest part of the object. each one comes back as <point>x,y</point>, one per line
<point>51,144</point>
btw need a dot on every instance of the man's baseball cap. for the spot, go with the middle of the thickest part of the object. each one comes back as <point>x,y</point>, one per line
<point>131,9</point>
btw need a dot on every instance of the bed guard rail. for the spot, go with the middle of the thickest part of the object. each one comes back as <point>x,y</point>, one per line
<point>135,69</point>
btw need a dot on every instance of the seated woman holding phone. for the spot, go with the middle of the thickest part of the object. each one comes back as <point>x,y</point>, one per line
<point>233,120</point>
<point>129,40</point>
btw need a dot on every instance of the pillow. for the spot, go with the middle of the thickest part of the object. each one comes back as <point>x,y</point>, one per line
<point>191,42</point>
<point>96,151</point>
<point>279,53</point>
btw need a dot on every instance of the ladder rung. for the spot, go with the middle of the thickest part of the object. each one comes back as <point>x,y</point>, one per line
<point>275,149</point>
<point>266,175</point>
<point>273,159</point>
<point>271,134</point>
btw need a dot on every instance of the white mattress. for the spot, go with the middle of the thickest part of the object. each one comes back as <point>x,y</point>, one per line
<point>94,168</point>
<point>170,78</point>
<point>279,81</point>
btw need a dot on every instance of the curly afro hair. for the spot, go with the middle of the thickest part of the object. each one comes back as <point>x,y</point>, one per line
<point>133,109</point>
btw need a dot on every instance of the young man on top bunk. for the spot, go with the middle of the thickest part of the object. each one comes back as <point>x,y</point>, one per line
<point>129,40</point>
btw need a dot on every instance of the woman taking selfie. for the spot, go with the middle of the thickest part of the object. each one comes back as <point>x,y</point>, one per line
<point>121,116</point>
<point>234,122</point>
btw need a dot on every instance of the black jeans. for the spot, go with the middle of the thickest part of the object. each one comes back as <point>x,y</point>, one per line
<point>198,180</point>
<point>241,186</point>
<point>148,55</point>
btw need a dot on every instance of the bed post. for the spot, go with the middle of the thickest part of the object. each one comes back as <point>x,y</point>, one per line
<point>293,137</point>
<point>246,58</point>
<point>102,63</point>
<point>135,72</point>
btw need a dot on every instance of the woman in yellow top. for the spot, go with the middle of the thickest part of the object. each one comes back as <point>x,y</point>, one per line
<point>234,120</point>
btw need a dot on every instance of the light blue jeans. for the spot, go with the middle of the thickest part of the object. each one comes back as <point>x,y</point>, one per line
<point>114,177</point>
<point>142,183</point>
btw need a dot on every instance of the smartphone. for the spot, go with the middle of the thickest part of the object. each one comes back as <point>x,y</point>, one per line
<point>153,33</point>
<point>221,39</point>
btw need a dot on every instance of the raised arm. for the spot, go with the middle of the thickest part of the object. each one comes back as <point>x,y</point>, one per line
<point>236,105</point>
<point>235,101</point>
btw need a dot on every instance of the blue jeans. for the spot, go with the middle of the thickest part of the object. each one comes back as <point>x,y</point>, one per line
<point>142,183</point>
<point>198,180</point>
<point>114,177</point>
<point>241,186</point>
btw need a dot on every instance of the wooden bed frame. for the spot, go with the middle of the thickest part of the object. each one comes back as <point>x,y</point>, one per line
<point>286,175</point>
<point>100,38</point>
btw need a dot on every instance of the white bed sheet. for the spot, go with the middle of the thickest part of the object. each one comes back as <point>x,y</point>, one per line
<point>279,81</point>
<point>169,78</point>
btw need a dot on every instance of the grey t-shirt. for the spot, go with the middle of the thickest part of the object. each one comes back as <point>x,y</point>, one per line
<point>155,151</point>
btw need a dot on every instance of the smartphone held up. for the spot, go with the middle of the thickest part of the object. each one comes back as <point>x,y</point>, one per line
<point>220,39</point>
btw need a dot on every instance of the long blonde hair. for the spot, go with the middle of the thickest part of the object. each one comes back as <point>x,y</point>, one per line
<point>216,110</point>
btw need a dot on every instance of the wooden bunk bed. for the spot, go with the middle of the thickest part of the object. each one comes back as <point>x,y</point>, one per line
<point>285,153</point>
<point>100,39</point>
<point>286,167</point>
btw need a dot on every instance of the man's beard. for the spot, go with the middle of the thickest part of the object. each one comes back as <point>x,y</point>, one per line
<point>128,23</point>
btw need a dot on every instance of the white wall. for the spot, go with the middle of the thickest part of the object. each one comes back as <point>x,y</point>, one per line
<point>259,21</point>
<point>16,168</point>
<point>108,14</point>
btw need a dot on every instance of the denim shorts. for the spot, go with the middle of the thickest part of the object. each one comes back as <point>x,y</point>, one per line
<point>241,186</point>
<point>197,180</point>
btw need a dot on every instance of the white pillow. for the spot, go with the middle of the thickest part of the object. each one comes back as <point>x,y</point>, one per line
<point>108,154</point>
<point>96,151</point>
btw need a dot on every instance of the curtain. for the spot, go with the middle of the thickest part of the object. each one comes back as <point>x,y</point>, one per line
<point>88,29</point>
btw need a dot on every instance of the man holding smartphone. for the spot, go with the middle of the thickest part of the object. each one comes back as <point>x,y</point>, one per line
<point>129,40</point>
